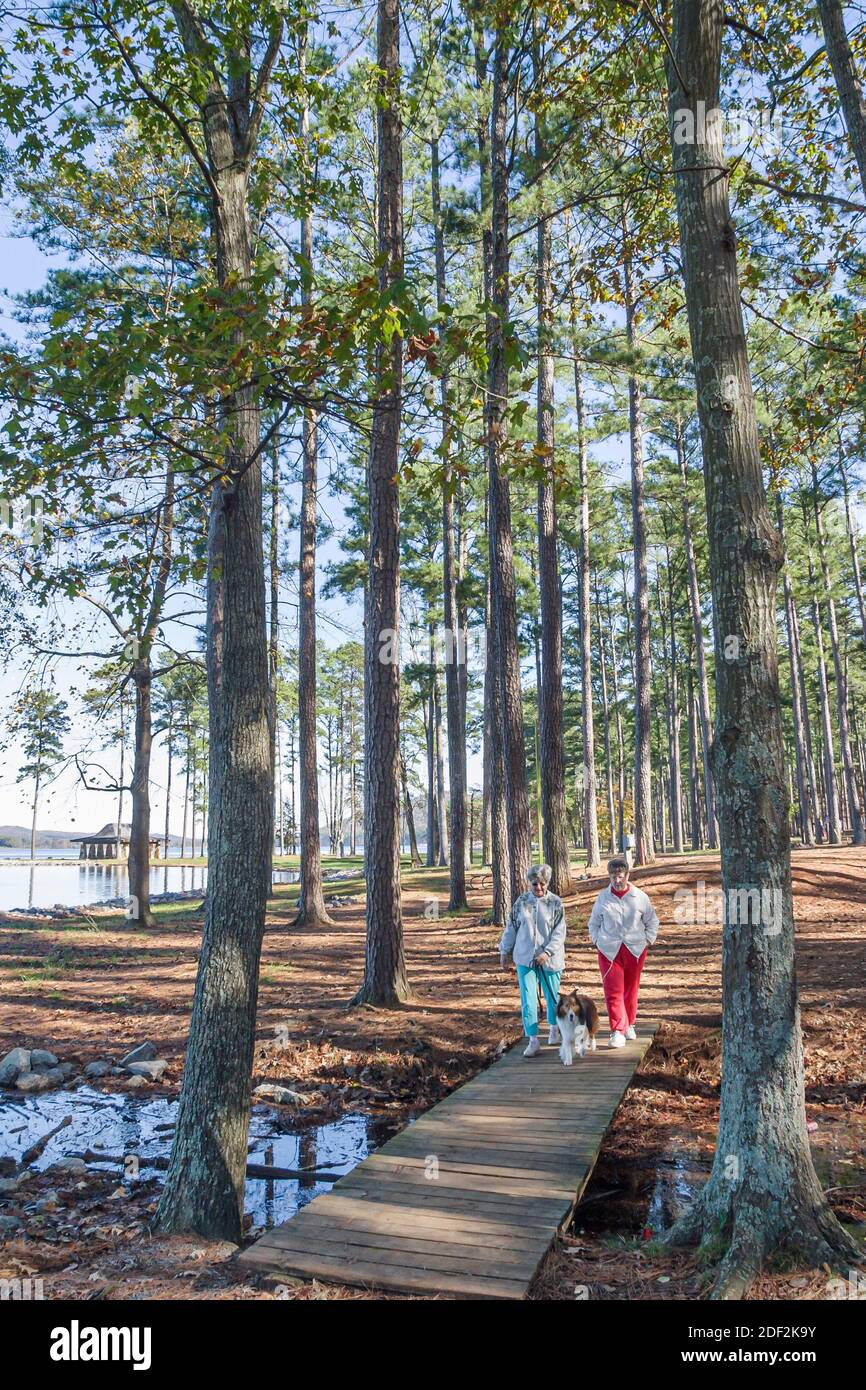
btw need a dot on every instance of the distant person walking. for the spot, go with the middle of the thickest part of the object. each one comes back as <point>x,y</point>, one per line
<point>622,925</point>
<point>534,938</point>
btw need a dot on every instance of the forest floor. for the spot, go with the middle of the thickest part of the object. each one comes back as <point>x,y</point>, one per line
<point>97,987</point>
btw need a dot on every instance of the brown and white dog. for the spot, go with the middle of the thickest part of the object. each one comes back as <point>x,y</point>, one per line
<point>577,1018</point>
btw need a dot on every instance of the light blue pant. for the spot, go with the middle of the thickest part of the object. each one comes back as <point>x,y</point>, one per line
<point>530,977</point>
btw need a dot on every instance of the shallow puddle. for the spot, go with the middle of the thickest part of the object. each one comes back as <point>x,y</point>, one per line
<point>676,1184</point>
<point>130,1125</point>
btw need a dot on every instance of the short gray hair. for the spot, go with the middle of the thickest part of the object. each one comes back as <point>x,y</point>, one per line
<point>539,873</point>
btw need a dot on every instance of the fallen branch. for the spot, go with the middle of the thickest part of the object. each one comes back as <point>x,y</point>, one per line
<point>31,1154</point>
<point>254,1170</point>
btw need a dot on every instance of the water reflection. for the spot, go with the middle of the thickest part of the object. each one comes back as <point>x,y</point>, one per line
<point>124,1124</point>
<point>82,882</point>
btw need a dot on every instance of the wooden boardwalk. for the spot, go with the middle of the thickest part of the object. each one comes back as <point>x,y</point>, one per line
<point>467,1199</point>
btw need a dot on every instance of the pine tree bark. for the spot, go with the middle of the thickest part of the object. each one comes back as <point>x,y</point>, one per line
<point>554,834</point>
<point>762,1192</point>
<point>855,817</point>
<point>414,852</point>
<point>504,598</point>
<point>204,1189</point>
<point>828,752</point>
<point>590,812</point>
<point>703,691</point>
<point>849,82</point>
<point>138,864</point>
<point>807,811</point>
<point>674,721</point>
<point>311,910</point>
<point>605,711</point>
<point>643,817</point>
<point>385,983</point>
<point>455,656</point>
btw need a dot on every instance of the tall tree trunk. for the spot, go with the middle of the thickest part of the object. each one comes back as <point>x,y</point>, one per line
<point>807,811</point>
<point>430,736</point>
<point>831,793</point>
<point>139,910</point>
<point>142,677</point>
<point>33,819</point>
<point>703,691</point>
<point>762,1192</point>
<point>852,543</point>
<point>274,626</point>
<point>504,598</point>
<point>552,751</point>
<point>169,743</point>
<point>605,707</point>
<point>385,982</point>
<point>455,656</point>
<point>441,817</point>
<point>676,780</point>
<point>311,896</point>
<point>694,799</point>
<point>620,742</point>
<point>590,814</point>
<point>855,817</point>
<point>204,1189</point>
<point>499,846</point>
<point>643,822</point>
<point>849,82</point>
<point>410,817</point>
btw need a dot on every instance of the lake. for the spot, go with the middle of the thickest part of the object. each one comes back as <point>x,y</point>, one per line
<point>79,881</point>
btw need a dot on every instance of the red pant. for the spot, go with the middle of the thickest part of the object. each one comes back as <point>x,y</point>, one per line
<point>621,980</point>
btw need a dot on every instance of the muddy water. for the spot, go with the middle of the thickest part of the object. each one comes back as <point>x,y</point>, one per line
<point>130,1125</point>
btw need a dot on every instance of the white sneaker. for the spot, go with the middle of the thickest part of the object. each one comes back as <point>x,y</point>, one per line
<point>631,1035</point>
<point>533,1049</point>
<point>553,1038</point>
<point>617,1040</point>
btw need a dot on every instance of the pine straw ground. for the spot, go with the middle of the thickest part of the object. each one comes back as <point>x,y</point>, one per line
<point>96,987</point>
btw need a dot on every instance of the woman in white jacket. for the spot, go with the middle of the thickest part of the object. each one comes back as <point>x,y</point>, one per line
<point>622,924</point>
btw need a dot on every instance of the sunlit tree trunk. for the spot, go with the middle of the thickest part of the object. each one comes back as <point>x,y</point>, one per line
<point>385,982</point>
<point>204,1189</point>
<point>762,1193</point>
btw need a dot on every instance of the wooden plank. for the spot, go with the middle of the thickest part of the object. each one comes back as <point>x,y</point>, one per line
<point>399,1278</point>
<point>514,1149</point>
<point>440,1196</point>
<point>462,1227</point>
<point>386,1248</point>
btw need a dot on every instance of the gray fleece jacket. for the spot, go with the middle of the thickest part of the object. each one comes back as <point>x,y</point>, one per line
<point>535,926</point>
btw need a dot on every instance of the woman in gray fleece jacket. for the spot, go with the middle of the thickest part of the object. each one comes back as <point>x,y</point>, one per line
<point>534,939</point>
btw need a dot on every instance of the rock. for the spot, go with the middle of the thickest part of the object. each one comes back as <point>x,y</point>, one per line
<point>7,1165</point>
<point>56,1075</point>
<point>135,1082</point>
<point>33,1081</point>
<point>8,1225</point>
<point>70,1165</point>
<point>40,1058</point>
<point>8,1185</point>
<point>145,1052</point>
<point>151,1070</point>
<point>282,1095</point>
<point>13,1064</point>
<point>45,1204</point>
<point>68,1068</point>
<point>97,1069</point>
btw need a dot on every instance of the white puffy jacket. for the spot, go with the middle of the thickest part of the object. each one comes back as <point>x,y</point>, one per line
<point>627,921</point>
